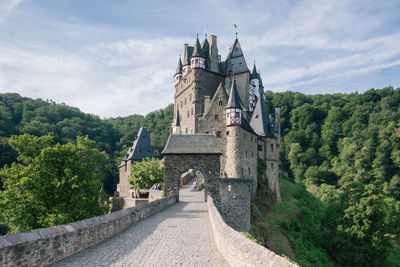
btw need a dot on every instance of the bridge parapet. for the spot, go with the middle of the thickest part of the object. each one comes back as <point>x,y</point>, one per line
<point>44,246</point>
<point>236,248</point>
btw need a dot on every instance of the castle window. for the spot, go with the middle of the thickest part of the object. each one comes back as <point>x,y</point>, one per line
<point>188,114</point>
<point>249,171</point>
<point>220,103</point>
<point>181,104</point>
<point>186,130</point>
<point>218,134</point>
<point>252,154</point>
<point>190,97</point>
<point>206,132</point>
<point>227,132</point>
<point>259,148</point>
<point>272,147</point>
<point>257,116</point>
<point>246,153</point>
<point>191,111</point>
<point>197,61</point>
<point>185,101</point>
<point>216,116</point>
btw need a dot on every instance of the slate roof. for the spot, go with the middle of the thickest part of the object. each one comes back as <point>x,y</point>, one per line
<point>205,46</point>
<point>141,147</point>
<point>236,58</point>
<point>234,99</point>
<point>254,74</point>
<point>192,144</point>
<point>179,67</point>
<point>260,120</point>
<point>197,52</point>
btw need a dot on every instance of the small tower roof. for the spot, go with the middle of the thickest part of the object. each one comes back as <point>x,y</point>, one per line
<point>237,58</point>
<point>177,121</point>
<point>234,99</point>
<point>179,67</point>
<point>205,46</point>
<point>141,147</point>
<point>260,121</point>
<point>198,52</point>
<point>254,74</point>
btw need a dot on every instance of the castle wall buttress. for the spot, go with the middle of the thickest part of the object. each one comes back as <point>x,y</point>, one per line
<point>272,165</point>
<point>124,174</point>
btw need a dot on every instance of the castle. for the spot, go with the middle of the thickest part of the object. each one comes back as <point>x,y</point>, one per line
<point>225,98</point>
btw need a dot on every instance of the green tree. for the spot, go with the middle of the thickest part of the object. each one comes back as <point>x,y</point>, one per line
<point>52,184</point>
<point>146,173</point>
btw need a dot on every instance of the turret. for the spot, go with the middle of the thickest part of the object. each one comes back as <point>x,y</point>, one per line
<point>178,73</point>
<point>233,107</point>
<point>197,60</point>
<point>186,60</point>
<point>254,89</point>
<point>177,124</point>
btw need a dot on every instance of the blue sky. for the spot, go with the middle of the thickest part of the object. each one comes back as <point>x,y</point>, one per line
<point>116,58</point>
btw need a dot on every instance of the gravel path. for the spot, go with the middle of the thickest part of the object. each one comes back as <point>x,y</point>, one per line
<point>177,236</point>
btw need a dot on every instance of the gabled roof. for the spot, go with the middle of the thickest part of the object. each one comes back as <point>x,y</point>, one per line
<point>141,147</point>
<point>219,92</point>
<point>192,144</point>
<point>197,52</point>
<point>234,99</point>
<point>260,120</point>
<point>237,58</point>
<point>179,67</point>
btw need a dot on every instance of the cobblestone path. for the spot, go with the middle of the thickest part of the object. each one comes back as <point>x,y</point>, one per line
<point>177,236</point>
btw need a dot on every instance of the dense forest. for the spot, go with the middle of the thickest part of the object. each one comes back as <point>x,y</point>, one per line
<point>344,149</point>
<point>19,115</point>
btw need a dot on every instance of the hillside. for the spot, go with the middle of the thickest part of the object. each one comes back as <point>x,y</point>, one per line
<point>20,115</point>
<point>341,200</point>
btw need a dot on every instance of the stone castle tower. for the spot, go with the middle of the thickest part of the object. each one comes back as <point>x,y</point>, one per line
<point>225,98</point>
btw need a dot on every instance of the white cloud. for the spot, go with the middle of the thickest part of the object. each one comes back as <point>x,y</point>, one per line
<point>7,6</point>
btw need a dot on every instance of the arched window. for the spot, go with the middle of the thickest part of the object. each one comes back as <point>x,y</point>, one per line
<point>220,103</point>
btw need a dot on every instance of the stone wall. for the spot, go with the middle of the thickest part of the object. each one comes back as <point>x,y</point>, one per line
<point>44,246</point>
<point>236,248</point>
<point>155,194</point>
<point>234,204</point>
<point>124,172</point>
<point>241,157</point>
<point>207,164</point>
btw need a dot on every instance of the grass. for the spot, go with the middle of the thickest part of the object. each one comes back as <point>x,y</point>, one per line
<point>289,228</point>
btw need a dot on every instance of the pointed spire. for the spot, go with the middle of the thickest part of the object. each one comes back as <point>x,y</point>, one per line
<point>254,74</point>
<point>234,99</point>
<point>198,52</point>
<point>260,121</point>
<point>177,121</point>
<point>179,67</point>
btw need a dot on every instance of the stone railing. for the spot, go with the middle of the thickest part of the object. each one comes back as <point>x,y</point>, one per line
<point>236,248</point>
<point>44,246</point>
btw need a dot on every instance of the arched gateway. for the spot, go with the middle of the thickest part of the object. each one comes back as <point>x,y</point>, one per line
<point>192,151</point>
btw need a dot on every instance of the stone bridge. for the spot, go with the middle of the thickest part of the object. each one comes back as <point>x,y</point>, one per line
<point>187,233</point>
<point>181,229</point>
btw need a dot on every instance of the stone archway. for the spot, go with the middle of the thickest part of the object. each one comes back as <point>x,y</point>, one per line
<point>199,152</point>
